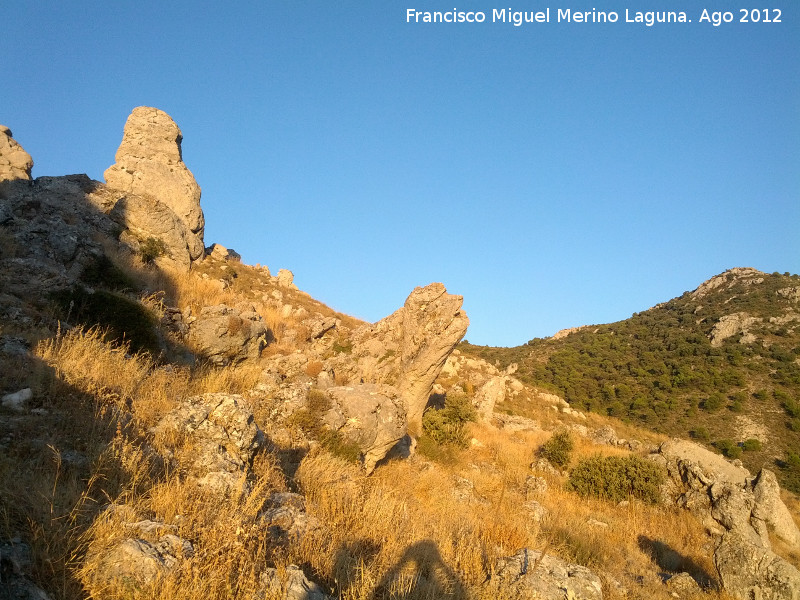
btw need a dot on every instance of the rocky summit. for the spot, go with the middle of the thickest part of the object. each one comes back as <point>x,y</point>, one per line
<point>176,423</point>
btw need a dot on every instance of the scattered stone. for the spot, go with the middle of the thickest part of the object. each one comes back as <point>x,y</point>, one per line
<point>531,574</point>
<point>535,485</point>
<point>683,586</point>
<point>17,400</point>
<point>286,517</point>
<point>288,584</point>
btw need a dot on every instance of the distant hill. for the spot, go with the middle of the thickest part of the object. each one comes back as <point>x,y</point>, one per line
<point>720,364</point>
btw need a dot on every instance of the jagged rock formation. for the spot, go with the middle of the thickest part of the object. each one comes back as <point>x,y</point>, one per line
<point>730,325</point>
<point>224,439</point>
<point>408,348</point>
<point>532,574</point>
<point>149,164</point>
<point>15,163</point>
<point>226,335</point>
<point>740,510</point>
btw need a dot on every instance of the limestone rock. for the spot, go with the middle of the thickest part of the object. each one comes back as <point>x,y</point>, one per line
<point>285,278</point>
<point>220,252</point>
<point>15,163</point>
<point>17,400</point>
<point>225,335</point>
<point>408,348</point>
<point>748,570</point>
<point>683,586</point>
<point>489,395</point>
<point>288,584</point>
<point>318,326</point>
<point>531,574</point>
<point>286,517</point>
<point>730,325</point>
<point>224,438</point>
<point>139,560</point>
<point>145,217</point>
<point>371,415</point>
<point>149,163</point>
<point>770,508</point>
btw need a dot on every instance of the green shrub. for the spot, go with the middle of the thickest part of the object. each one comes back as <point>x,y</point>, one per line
<point>151,248</point>
<point>728,448</point>
<point>751,445</point>
<point>617,478</point>
<point>123,320</point>
<point>790,472</point>
<point>558,449</point>
<point>700,433</point>
<point>447,426</point>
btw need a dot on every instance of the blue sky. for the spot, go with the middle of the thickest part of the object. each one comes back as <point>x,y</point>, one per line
<point>554,174</point>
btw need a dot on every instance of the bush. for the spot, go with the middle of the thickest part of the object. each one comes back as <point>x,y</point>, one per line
<point>447,426</point>
<point>728,448</point>
<point>751,445</point>
<point>617,478</point>
<point>151,248</point>
<point>558,449</point>
<point>700,433</point>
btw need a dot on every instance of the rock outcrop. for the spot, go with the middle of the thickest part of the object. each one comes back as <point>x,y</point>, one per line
<point>227,335</point>
<point>531,574</point>
<point>739,509</point>
<point>15,163</point>
<point>224,439</point>
<point>730,325</point>
<point>149,163</point>
<point>408,348</point>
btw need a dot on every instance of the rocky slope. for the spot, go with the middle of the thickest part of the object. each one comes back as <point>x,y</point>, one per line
<point>174,423</point>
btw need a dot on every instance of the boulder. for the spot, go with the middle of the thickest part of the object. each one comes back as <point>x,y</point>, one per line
<point>149,163</point>
<point>288,584</point>
<point>18,400</point>
<point>286,517</point>
<point>531,574</point>
<point>139,560</point>
<point>220,252</point>
<point>770,508</point>
<point>15,163</point>
<point>371,415</point>
<point>490,394</point>
<point>750,571</point>
<point>224,334</point>
<point>221,434</point>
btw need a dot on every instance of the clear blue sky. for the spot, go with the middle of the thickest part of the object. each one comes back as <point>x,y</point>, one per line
<point>554,174</point>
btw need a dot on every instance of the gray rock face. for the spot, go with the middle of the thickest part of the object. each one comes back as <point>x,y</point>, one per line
<point>15,163</point>
<point>532,574</point>
<point>730,325</point>
<point>408,348</point>
<point>738,509</point>
<point>748,570</point>
<point>134,559</point>
<point>149,163</point>
<point>491,393</point>
<point>145,217</point>
<point>223,434</point>
<point>226,335</point>
<point>372,416</point>
<point>291,584</point>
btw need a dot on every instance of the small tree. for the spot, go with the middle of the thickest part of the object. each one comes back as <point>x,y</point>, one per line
<point>558,449</point>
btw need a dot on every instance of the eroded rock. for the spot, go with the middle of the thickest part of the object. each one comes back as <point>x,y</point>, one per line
<point>531,574</point>
<point>228,335</point>
<point>149,162</point>
<point>15,163</point>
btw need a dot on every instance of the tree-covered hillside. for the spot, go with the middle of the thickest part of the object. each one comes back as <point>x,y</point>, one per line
<point>720,364</point>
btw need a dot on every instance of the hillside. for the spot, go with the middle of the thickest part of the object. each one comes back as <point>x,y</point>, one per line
<point>176,424</point>
<point>720,364</point>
